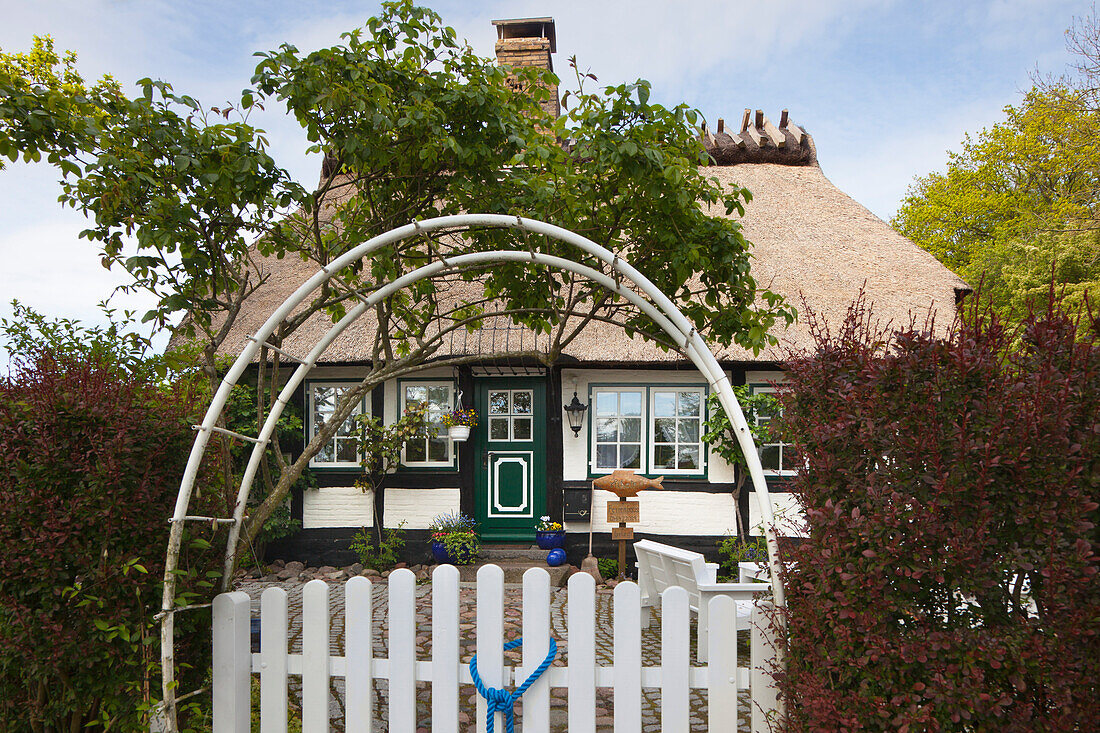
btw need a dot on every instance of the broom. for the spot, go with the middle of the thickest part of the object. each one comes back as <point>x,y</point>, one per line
<point>590,564</point>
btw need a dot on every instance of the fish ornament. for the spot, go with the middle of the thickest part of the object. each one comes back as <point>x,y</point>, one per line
<point>626,484</point>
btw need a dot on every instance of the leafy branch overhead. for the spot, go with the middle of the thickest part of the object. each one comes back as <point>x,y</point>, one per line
<point>412,124</point>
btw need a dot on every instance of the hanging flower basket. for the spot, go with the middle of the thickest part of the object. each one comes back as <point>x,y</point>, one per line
<point>460,422</point>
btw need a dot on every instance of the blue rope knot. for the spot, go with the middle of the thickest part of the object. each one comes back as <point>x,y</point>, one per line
<point>501,701</point>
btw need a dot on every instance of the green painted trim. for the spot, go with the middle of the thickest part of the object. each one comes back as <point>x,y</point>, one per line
<point>646,387</point>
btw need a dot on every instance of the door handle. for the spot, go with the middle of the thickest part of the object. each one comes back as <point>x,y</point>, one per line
<point>486,457</point>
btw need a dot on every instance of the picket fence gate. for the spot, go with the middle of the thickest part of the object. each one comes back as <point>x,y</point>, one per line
<point>234,662</point>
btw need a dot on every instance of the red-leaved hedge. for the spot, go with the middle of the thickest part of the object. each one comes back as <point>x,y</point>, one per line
<point>949,580</point>
<point>91,458</point>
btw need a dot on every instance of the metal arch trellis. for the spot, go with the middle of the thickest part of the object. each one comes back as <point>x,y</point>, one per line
<point>662,310</point>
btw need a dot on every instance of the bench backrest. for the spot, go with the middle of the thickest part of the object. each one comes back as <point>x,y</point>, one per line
<point>663,566</point>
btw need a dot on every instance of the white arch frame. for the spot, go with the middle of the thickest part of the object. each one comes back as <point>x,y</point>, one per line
<point>662,310</point>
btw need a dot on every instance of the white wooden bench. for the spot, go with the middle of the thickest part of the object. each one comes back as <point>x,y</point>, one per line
<point>663,566</point>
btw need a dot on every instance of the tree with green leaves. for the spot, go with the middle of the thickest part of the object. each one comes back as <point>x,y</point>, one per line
<point>413,125</point>
<point>1019,206</point>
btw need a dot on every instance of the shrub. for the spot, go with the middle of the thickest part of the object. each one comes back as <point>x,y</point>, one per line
<point>609,567</point>
<point>388,552</point>
<point>92,454</point>
<point>948,581</point>
<point>735,550</point>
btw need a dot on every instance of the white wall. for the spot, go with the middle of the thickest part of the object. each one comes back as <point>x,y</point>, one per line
<point>669,512</point>
<point>347,506</point>
<point>789,518</point>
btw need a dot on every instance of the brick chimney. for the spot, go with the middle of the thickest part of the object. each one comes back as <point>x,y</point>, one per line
<point>528,42</point>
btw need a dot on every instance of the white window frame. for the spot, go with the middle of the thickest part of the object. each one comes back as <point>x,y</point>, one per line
<point>701,419</point>
<point>364,409</point>
<point>402,385</point>
<point>511,416</point>
<point>769,389</point>
<point>641,390</point>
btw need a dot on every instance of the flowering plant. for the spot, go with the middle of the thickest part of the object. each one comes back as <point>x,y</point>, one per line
<point>458,533</point>
<point>545,525</point>
<point>466,416</point>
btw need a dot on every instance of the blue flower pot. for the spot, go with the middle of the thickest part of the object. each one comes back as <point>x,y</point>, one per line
<point>550,540</point>
<point>441,556</point>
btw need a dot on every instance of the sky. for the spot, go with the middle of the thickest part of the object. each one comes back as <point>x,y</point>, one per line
<point>885,87</point>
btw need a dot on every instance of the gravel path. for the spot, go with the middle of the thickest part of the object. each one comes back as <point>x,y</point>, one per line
<point>651,652</point>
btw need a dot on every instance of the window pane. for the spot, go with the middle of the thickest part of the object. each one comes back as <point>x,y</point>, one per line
<point>689,431</point>
<point>521,403</point>
<point>440,398</point>
<point>437,449</point>
<point>416,451</point>
<point>664,456</point>
<point>521,428</point>
<point>631,429</point>
<point>630,456</point>
<point>769,457</point>
<point>664,404</point>
<point>607,403</point>
<point>630,403</point>
<point>415,395</point>
<point>607,430</point>
<point>664,430</point>
<point>498,428</point>
<point>606,456</point>
<point>345,450</point>
<point>689,403</point>
<point>498,403</point>
<point>689,458</point>
<point>326,455</point>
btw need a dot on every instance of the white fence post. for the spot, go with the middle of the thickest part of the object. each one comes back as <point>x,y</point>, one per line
<point>273,629</point>
<point>402,616</point>
<point>582,653</point>
<point>764,649</point>
<point>628,658</point>
<point>359,652</point>
<point>675,660</point>
<point>315,656</point>
<point>445,649</point>
<point>490,637</point>
<point>722,665</point>
<point>232,663</point>
<point>536,645</point>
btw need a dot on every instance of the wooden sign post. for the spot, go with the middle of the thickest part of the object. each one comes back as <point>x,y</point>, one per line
<point>622,511</point>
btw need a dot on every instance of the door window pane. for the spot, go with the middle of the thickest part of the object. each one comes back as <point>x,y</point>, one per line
<point>498,428</point>
<point>521,402</point>
<point>521,428</point>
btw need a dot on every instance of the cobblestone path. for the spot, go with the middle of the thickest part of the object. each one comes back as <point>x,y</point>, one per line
<point>651,653</point>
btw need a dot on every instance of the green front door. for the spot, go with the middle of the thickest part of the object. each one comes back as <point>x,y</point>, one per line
<point>510,457</point>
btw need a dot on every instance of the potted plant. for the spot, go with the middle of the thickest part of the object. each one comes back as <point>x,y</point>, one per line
<point>455,540</point>
<point>549,535</point>
<point>459,423</point>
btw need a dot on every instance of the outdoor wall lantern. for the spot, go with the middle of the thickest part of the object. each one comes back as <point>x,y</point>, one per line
<point>574,413</point>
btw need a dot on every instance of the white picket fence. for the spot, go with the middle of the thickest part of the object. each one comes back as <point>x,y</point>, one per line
<point>234,663</point>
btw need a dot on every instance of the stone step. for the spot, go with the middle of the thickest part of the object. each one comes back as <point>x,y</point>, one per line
<point>530,553</point>
<point>514,570</point>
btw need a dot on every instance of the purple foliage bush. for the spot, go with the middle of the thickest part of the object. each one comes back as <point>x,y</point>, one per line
<point>949,580</point>
<point>92,456</point>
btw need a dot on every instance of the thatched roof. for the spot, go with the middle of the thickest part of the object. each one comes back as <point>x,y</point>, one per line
<point>811,243</point>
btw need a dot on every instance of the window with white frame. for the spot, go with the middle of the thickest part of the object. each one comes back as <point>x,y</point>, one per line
<point>650,429</point>
<point>774,457</point>
<point>340,450</point>
<point>617,438</point>
<point>510,416</point>
<point>677,429</point>
<point>434,449</point>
